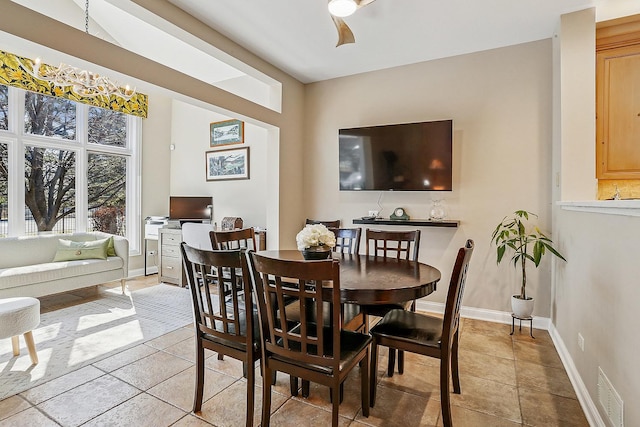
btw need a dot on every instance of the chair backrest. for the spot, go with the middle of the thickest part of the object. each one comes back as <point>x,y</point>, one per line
<point>347,240</point>
<point>221,293</point>
<point>234,239</point>
<point>454,295</point>
<point>393,244</point>
<point>276,283</point>
<point>328,224</point>
<point>196,235</point>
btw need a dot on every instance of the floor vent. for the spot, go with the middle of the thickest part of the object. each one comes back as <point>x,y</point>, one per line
<point>610,400</point>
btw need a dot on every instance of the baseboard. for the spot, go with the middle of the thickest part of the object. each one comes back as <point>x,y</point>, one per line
<point>140,272</point>
<point>483,314</point>
<point>588,405</point>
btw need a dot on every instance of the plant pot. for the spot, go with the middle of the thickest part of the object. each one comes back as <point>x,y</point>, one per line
<point>316,253</point>
<point>522,308</point>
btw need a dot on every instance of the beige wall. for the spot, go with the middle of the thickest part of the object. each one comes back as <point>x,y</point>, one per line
<point>500,102</point>
<point>596,291</point>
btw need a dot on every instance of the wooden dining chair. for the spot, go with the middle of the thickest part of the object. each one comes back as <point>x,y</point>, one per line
<point>328,224</point>
<point>224,325</point>
<point>428,335</point>
<point>347,240</point>
<point>234,239</point>
<point>391,244</point>
<point>310,349</point>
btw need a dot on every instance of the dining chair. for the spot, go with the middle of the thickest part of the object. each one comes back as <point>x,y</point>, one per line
<point>347,240</point>
<point>428,335</point>
<point>224,325</point>
<point>234,239</point>
<point>310,349</point>
<point>328,224</point>
<point>391,244</point>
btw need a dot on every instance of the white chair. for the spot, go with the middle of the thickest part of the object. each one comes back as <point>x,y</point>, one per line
<point>20,316</point>
<point>196,235</point>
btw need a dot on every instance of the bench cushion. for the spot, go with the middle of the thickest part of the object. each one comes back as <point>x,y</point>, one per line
<point>30,274</point>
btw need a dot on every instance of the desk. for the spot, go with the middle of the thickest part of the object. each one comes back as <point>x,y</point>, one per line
<point>371,280</point>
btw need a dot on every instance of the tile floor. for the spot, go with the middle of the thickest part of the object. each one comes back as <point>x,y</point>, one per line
<point>506,381</point>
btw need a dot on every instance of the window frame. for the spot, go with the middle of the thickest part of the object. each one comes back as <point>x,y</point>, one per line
<point>17,139</point>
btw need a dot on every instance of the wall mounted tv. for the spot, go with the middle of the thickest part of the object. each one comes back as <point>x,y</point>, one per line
<point>185,208</point>
<point>399,157</point>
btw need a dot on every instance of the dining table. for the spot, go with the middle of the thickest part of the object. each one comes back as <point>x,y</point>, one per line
<point>368,280</point>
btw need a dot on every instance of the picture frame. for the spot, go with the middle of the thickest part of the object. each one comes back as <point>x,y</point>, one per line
<point>226,132</point>
<point>227,164</point>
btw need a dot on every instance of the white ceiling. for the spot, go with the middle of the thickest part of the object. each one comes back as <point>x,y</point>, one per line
<point>299,37</point>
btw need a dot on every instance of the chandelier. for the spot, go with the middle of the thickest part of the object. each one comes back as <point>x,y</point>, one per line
<point>82,82</point>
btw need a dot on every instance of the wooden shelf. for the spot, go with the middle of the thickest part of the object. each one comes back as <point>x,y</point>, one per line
<point>414,222</point>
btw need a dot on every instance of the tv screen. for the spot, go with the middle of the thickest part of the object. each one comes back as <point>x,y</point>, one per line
<point>399,157</point>
<point>190,208</point>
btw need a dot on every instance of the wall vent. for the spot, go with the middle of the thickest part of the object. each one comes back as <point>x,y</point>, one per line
<point>610,400</point>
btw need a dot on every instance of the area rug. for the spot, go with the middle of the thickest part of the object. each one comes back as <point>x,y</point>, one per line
<point>76,336</point>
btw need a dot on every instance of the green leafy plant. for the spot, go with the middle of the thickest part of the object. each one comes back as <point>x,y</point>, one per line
<point>526,241</point>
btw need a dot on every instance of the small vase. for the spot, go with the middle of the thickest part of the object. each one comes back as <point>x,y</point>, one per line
<point>437,211</point>
<point>316,253</point>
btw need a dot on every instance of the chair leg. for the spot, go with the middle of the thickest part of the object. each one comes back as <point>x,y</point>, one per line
<point>454,364</point>
<point>306,388</point>
<point>31,346</point>
<point>364,384</point>
<point>335,407</point>
<point>266,397</point>
<point>400,362</point>
<point>392,362</point>
<point>373,374</point>
<point>250,391</point>
<point>293,385</point>
<point>444,391</point>
<point>197,399</point>
<point>15,344</point>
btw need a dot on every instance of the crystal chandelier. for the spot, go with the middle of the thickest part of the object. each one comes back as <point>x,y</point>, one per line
<point>84,83</point>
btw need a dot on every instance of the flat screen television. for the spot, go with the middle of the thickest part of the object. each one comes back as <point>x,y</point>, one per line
<point>398,157</point>
<point>186,208</point>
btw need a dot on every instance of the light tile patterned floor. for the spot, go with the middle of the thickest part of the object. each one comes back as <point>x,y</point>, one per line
<point>505,380</point>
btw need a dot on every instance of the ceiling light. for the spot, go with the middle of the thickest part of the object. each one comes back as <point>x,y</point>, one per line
<point>84,83</point>
<point>342,8</point>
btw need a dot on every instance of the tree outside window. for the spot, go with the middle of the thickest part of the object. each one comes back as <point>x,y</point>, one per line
<point>54,152</point>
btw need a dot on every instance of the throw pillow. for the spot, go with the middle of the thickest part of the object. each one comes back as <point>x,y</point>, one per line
<point>68,250</point>
<point>111,249</point>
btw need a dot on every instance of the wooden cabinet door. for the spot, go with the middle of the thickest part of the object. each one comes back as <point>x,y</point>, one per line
<point>618,113</point>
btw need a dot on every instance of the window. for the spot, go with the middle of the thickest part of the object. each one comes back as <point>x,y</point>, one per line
<point>4,189</point>
<point>79,167</point>
<point>4,107</point>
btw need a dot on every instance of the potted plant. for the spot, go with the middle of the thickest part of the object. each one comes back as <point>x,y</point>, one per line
<point>528,244</point>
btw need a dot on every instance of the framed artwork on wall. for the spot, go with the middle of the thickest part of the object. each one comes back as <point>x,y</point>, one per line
<point>231,163</point>
<point>227,132</point>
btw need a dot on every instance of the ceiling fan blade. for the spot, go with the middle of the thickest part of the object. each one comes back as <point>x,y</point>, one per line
<point>344,32</point>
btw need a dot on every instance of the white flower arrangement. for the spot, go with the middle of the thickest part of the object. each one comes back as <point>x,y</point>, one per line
<point>315,235</point>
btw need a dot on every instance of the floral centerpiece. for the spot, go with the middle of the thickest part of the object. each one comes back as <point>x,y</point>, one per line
<point>315,241</point>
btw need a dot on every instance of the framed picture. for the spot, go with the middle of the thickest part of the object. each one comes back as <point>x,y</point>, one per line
<point>232,163</point>
<point>227,132</point>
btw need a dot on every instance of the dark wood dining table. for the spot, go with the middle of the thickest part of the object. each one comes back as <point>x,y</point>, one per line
<point>375,280</point>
